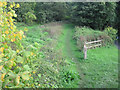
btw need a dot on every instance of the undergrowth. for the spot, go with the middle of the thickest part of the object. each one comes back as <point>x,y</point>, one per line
<point>46,66</point>
<point>100,69</point>
<point>52,68</point>
<point>85,34</point>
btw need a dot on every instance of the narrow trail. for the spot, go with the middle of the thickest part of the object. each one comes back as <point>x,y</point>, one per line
<point>92,72</point>
<point>71,51</point>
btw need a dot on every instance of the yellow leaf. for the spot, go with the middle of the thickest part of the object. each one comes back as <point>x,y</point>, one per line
<point>14,35</point>
<point>1,67</point>
<point>1,55</point>
<point>10,14</point>
<point>17,51</point>
<point>13,3</point>
<point>29,74</point>
<point>1,49</point>
<point>1,4</point>
<point>31,53</point>
<point>18,80</point>
<point>11,62</point>
<point>2,76</point>
<point>11,27</point>
<point>10,18</point>
<point>20,37</point>
<point>23,36</point>
<point>17,6</point>
<point>11,6</point>
<point>8,36</point>
<point>34,72</point>
<point>5,3</point>
<point>12,40</point>
<point>7,32</point>
<point>12,24</point>
<point>5,43</point>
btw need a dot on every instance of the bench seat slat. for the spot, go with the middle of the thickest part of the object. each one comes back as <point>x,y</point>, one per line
<point>93,42</point>
<point>94,46</point>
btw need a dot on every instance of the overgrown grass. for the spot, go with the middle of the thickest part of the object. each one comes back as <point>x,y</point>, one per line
<point>47,66</point>
<point>54,69</point>
<point>63,65</point>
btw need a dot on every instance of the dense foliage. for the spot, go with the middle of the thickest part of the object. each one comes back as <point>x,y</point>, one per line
<point>95,15</point>
<point>118,18</point>
<point>111,32</point>
<point>47,12</point>
<point>23,64</point>
<point>14,59</point>
<point>23,10</point>
<point>38,60</point>
<point>84,34</point>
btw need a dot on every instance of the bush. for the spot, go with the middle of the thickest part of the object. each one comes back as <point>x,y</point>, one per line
<point>83,34</point>
<point>16,69</point>
<point>29,17</point>
<point>111,32</point>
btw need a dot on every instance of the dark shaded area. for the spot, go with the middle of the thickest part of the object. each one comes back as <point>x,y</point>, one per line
<point>117,43</point>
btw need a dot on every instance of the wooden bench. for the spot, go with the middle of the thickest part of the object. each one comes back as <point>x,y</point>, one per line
<point>91,45</point>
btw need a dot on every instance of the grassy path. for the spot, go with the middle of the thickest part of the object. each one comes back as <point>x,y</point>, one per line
<point>71,51</point>
<point>99,70</point>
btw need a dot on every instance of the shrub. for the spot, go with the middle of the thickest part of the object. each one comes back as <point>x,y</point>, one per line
<point>29,17</point>
<point>111,32</point>
<point>83,34</point>
<point>15,61</point>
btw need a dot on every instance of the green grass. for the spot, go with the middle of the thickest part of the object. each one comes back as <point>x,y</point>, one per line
<point>34,34</point>
<point>46,67</point>
<point>101,68</point>
<point>65,44</point>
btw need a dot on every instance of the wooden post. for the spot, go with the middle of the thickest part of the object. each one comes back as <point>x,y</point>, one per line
<point>91,45</point>
<point>85,51</point>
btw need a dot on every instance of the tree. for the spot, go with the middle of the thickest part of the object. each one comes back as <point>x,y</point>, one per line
<point>25,7</point>
<point>95,15</point>
<point>118,18</point>
<point>47,12</point>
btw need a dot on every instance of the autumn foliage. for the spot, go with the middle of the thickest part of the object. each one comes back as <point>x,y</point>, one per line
<point>14,65</point>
